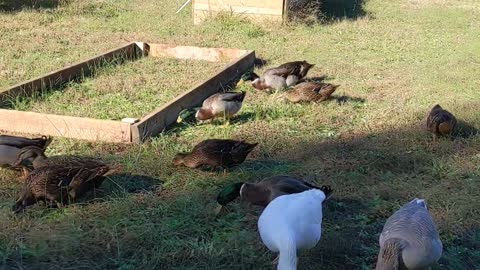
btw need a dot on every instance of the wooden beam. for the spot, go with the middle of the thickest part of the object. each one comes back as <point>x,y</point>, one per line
<point>193,53</point>
<point>56,78</point>
<point>64,126</point>
<point>157,121</point>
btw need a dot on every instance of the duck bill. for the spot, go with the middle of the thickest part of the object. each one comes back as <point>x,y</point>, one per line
<point>179,120</point>
<point>241,82</point>
<point>218,209</point>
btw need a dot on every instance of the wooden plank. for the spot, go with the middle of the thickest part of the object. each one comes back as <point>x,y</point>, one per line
<point>64,126</point>
<point>199,16</point>
<point>227,4</point>
<point>240,9</point>
<point>193,53</point>
<point>56,78</point>
<point>159,120</point>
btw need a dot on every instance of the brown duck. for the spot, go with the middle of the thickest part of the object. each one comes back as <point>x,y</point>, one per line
<point>59,185</point>
<point>215,153</point>
<point>39,159</point>
<point>440,122</point>
<point>311,92</point>
<point>263,192</point>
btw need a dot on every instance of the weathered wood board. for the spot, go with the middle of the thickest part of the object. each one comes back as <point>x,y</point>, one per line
<point>12,121</point>
<point>266,9</point>
<point>65,126</point>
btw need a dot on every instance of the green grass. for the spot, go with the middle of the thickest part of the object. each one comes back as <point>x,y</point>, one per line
<point>394,62</point>
<point>116,91</point>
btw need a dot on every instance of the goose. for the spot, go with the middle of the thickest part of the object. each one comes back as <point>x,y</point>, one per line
<point>292,222</point>
<point>409,240</point>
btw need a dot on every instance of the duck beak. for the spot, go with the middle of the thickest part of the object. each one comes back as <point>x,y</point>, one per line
<point>179,120</point>
<point>218,210</point>
<point>241,82</point>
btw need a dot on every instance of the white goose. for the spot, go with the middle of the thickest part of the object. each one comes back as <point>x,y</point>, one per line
<point>292,222</point>
<point>409,240</point>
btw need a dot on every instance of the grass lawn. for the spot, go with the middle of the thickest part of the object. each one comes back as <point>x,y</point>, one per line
<point>117,91</point>
<point>394,60</point>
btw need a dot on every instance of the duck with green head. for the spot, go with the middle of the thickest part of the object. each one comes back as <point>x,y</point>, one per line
<point>187,115</point>
<point>263,192</point>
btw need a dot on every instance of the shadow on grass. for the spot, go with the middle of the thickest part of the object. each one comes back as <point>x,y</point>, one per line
<point>334,10</point>
<point>464,130</point>
<point>18,5</point>
<point>119,185</point>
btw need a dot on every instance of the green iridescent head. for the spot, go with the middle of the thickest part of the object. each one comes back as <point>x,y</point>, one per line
<point>229,193</point>
<point>247,76</point>
<point>186,115</point>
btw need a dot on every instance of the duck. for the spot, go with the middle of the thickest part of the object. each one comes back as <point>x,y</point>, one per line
<point>292,222</point>
<point>280,77</point>
<point>10,147</point>
<point>409,240</point>
<point>440,122</point>
<point>187,115</point>
<point>59,185</point>
<point>215,153</point>
<point>220,105</point>
<point>264,191</point>
<point>310,92</point>
<point>39,159</point>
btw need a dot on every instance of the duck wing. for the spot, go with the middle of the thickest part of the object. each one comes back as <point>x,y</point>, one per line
<point>284,70</point>
<point>232,96</point>
<point>21,142</point>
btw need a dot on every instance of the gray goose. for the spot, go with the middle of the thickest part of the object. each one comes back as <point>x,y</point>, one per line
<point>409,240</point>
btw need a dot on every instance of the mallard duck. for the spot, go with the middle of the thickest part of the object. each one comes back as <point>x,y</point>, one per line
<point>215,153</point>
<point>409,240</point>
<point>10,147</point>
<point>186,114</point>
<point>220,105</point>
<point>440,122</point>
<point>311,92</point>
<point>263,192</point>
<point>279,77</point>
<point>39,159</point>
<point>58,185</point>
<point>292,222</point>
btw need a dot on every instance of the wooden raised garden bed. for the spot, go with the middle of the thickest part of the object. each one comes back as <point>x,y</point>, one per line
<point>265,9</point>
<point>138,130</point>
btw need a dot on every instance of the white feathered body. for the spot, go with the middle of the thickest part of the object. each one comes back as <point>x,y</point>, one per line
<point>292,222</point>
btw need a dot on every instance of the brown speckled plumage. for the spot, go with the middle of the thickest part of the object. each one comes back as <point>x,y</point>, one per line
<point>440,122</point>
<point>39,159</point>
<point>57,185</point>
<point>215,153</point>
<point>311,92</point>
